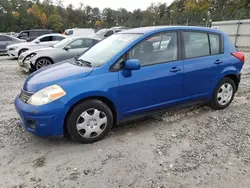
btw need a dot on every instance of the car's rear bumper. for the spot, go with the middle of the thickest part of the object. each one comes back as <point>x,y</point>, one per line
<point>45,121</point>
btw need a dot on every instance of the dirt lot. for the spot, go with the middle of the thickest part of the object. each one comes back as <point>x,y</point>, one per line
<point>186,148</point>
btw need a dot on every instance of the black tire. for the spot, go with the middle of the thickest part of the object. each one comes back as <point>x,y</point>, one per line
<point>215,103</point>
<point>21,51</point>
<point>71,121</point>
<point>37,66</point>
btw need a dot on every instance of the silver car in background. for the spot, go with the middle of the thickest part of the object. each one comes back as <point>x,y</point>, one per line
<point>69,48</point>
<point>6,40</point>
<point>16,50</point>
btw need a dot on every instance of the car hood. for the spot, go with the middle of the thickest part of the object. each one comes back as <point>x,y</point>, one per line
<point>29,45</point>
<point>36,50</point>
<point>55,74</point>
<point>17,44</point>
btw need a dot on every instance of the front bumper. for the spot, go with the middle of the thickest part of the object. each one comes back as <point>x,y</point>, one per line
<point>12,53</point>
<point>24,65</point>
<point>45,121</point>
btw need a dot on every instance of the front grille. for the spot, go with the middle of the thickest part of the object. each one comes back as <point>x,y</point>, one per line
<point>24,96</point>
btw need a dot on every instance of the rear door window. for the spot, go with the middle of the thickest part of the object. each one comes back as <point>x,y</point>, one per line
<point>47,39</point>
<point>34,34</point>
<point>196,44</point>
<point>87,43</point>
<point>58,38</point>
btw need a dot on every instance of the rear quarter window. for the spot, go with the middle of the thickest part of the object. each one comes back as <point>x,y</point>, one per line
<point>215,44</point>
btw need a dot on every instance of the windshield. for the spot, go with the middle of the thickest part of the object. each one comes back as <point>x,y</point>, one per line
<point>100,32</point>
<point>62,43</point>
<point>105,50</point>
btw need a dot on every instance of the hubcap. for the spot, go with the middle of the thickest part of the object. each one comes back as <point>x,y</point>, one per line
<point>225,94</point>
<point>91,123</point>
<point>42,63</point>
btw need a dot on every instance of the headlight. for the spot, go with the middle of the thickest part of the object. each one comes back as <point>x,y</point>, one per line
<point>30,56</point>
<point>13,48</point>
<point>46,95</point>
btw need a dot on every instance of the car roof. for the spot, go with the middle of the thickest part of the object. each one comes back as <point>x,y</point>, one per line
<point>53,34</point>
<point>155,29</point>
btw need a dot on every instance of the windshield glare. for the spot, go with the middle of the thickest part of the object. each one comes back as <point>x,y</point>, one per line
<point>105,50</point>
<point>62,43</point>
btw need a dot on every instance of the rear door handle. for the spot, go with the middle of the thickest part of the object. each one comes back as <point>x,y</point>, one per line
<point>175,69</point>
<point>218,62</point>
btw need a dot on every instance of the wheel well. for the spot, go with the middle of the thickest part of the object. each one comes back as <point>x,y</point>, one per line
<point>108,102</point>
<point>235,78</point>
<point>21,50</point>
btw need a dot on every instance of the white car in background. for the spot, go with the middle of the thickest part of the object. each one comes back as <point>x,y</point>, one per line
<point>83,32</point>
<point>15,50</point>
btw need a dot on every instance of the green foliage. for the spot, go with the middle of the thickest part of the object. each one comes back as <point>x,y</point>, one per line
<point>16,15</point>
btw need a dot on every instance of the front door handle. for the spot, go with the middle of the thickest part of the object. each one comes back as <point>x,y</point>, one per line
<point>175,69</point>
<point>218,62</point>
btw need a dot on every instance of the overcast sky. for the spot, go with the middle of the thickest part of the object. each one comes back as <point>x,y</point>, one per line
<point>115,4</point>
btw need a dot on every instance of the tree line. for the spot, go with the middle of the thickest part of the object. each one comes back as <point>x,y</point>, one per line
<point>17,15</point>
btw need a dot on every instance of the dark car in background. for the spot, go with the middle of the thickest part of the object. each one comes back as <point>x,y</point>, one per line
<point>6,40</point>
<point>32,34</point>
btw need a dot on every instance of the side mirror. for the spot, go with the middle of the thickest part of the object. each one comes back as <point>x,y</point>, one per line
<point>106,35</point>
<point>67,48</point>
<point>129,65</point>
<point>37,42</point>
<point>132,64</point>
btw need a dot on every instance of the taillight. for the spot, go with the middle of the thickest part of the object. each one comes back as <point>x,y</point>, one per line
<point>239,55</point>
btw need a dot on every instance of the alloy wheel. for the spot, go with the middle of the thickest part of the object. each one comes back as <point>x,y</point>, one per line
<point>42,63</point>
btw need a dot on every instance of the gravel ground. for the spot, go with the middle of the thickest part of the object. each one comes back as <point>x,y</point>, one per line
<point>187,148</point>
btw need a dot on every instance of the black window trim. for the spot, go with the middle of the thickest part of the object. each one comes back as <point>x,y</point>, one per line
<point>179,50</point>
<point>221,45</point>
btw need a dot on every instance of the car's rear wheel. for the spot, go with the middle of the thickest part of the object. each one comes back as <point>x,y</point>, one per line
<point>223,93</point>
<point>42,62</point>
<point>89,121</point>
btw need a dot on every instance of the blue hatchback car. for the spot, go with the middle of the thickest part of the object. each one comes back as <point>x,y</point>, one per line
<point>129,74</point>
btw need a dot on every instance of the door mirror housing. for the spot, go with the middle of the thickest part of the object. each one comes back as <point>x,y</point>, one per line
<point>67,48</point>
<point>129,65</point>
<point>132,64</point>
<point>37,42</point>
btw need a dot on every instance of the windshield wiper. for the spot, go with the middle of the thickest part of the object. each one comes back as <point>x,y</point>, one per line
<point>82,62</point>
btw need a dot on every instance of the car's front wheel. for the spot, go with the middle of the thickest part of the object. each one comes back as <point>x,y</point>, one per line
<point>223,93</point>
<point>42,62</point>
<point>89,121</point>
